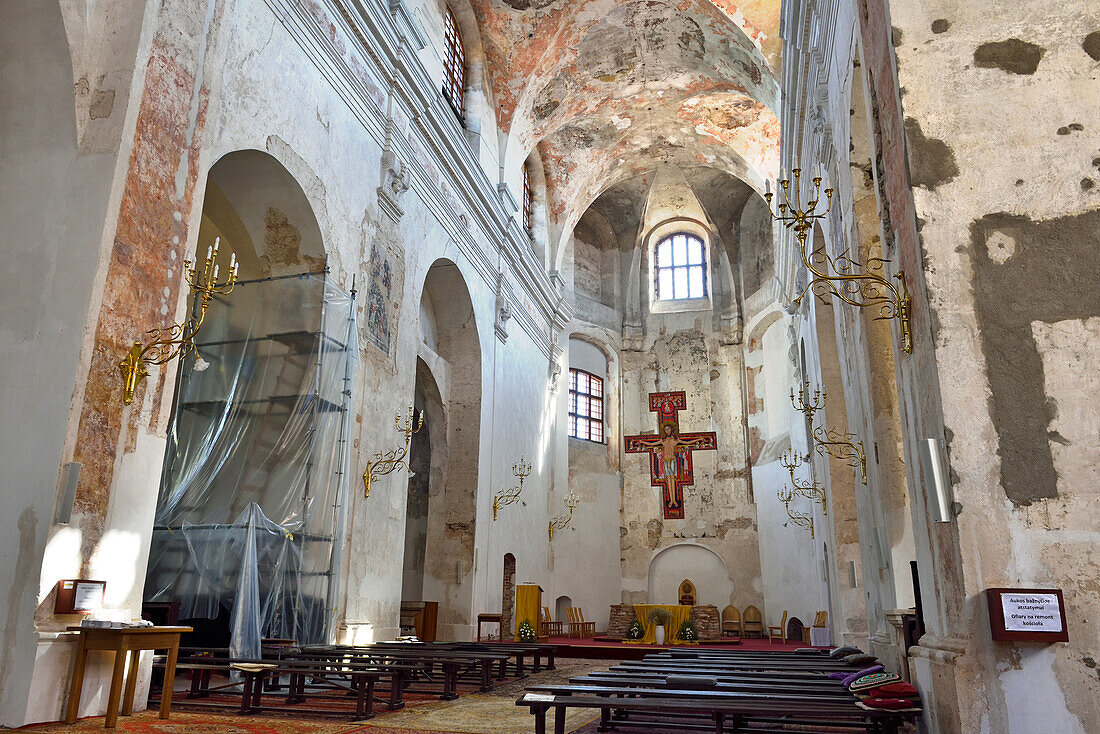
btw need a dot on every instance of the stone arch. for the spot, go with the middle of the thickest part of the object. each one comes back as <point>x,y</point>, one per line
<point>258,209</point>
<point>670,566</point>
<point>452,490</point>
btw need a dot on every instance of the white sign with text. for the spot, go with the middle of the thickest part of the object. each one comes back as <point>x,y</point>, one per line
<point>1031,612</point>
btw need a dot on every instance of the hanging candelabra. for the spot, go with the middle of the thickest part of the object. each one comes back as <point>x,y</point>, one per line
<point>385,463</point>
<point>863,285</point>
<point>807,404</point>
<point>506,497</point>
<point>178,340</point>
<point>561,522</point>
<point>810,491</point>
<point>801,519</point>
<point>839,446</point>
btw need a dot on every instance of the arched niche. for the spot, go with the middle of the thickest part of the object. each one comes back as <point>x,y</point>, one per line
<point>707,571</point>
<point>454,361</point>
<point>262,214</point>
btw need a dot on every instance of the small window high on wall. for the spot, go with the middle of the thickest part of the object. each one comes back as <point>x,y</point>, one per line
<point>585,406</point>
<point>681,268</point>
<point>454,63</point>
<point>527,198</point>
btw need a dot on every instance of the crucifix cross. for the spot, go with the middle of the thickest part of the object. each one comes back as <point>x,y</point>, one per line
<point>670,451</point>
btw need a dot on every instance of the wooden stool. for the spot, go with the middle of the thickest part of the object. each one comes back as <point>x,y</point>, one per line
<point>497,619</point>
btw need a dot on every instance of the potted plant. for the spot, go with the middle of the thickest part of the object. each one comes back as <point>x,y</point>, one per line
<point>687,632</point>
<point>526,633</point>
<point>635,631</point>
<point>659,618</point>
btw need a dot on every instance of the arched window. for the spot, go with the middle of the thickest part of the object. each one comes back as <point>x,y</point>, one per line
<point>454,64</point>
<point>681,270</point>
<point>527,198</point>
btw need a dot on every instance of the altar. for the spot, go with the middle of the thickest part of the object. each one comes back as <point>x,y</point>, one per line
<point>679,614</point>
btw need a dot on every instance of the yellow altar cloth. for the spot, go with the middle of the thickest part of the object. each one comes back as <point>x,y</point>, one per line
<point>680,614</point>
<point>528,599</point>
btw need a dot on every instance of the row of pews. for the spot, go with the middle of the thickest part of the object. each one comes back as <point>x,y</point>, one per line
<point>346,680</point>
<point>727,691</point>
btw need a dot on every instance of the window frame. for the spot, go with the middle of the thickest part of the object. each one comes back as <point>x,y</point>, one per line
<point>703,265</point>
<point>454,64</point>
<point>575,416</point>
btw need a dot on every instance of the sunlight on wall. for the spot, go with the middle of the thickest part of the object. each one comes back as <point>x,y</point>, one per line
<point>114,561</point>
<point>62,558</point>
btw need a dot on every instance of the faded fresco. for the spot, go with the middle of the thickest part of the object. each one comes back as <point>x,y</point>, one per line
<point>379,298</point>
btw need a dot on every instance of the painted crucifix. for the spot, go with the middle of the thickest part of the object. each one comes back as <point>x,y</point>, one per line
<point>670,451</point>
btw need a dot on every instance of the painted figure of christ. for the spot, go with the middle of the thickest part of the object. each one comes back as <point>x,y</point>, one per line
<point>670,460</point>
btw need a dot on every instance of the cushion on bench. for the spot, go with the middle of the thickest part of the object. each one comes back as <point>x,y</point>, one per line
<point>838,652</point>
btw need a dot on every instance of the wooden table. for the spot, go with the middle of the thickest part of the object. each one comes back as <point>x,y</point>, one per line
<point>130,640</point>
<point>497,619</point>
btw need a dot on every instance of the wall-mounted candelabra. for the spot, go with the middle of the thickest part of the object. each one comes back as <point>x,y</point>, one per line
<point>178,340</point>
<point>385,463</point>
<point>801,519</point>
<point>506,497</point>
<point>805,403</point>
<point>810,491</point>
<point>863,285</point>
<point>561,522</point>
<point>839,446</point>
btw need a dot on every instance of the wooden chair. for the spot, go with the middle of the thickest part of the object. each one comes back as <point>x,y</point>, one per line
<point>779,632</point>
<point>548,627</point>
<point>821,619</point>
<point>731,622</point>
<point>577,626</point>
<point>752,624</point>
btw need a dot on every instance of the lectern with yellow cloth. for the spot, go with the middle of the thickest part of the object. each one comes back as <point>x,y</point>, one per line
<point>679,614</point>
<point>528,605</point>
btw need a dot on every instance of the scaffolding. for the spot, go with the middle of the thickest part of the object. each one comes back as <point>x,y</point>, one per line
<point>250,512</point>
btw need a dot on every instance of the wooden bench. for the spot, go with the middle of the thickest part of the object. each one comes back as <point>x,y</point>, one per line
<point>704,710</point>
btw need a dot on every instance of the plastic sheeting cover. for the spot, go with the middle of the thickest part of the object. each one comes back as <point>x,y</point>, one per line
<point>249,514</point>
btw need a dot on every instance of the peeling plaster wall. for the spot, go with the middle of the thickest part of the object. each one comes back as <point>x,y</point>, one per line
<point>1022,484</point>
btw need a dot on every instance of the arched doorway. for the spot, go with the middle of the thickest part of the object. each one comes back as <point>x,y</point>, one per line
<point>710,578</point>
<point>449,376</point>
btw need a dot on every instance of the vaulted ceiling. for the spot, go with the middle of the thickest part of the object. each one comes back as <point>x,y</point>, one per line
<point>608,90</point>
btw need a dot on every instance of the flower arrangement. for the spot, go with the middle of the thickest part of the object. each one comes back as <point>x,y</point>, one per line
<point>526,633</point>
<point>659,617</point>
<point>687,632</point>
<point>635,631</point>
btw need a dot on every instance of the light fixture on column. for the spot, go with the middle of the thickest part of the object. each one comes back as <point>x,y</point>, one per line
<point>859,284</point>
<point>561,522</point>
<point>178,340</point>
<point>807,404</point>
<point>839,446</point>
<point>810,491</point>
<point>506,497</point>
<point>937,479</point>
<point>385,463</point>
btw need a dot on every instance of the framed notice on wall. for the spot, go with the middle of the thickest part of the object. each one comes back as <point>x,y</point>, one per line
<point>79,596</point>
<point>1027,615</point>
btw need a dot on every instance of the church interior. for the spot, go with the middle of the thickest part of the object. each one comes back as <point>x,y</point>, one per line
<point>488,366</point>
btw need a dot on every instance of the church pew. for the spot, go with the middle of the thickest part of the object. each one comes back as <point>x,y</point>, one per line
<point>722,683</point>
<point>464,662</point>
<point>717,712</point>
<point>754,664</point>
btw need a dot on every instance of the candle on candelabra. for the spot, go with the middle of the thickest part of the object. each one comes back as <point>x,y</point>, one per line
<point>217,243</point>
<point>209,252</point>
<point>215,271</point>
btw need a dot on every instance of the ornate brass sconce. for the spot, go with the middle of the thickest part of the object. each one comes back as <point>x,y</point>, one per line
<point>839,446</point>
<point>385,463</point>
<point>859,284</point>
<point>563,521</point>
<point>806,404</point>
<point>506,497</point>
<point>800,519</point>
<point>177,340</point>
<point>810,491</point>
